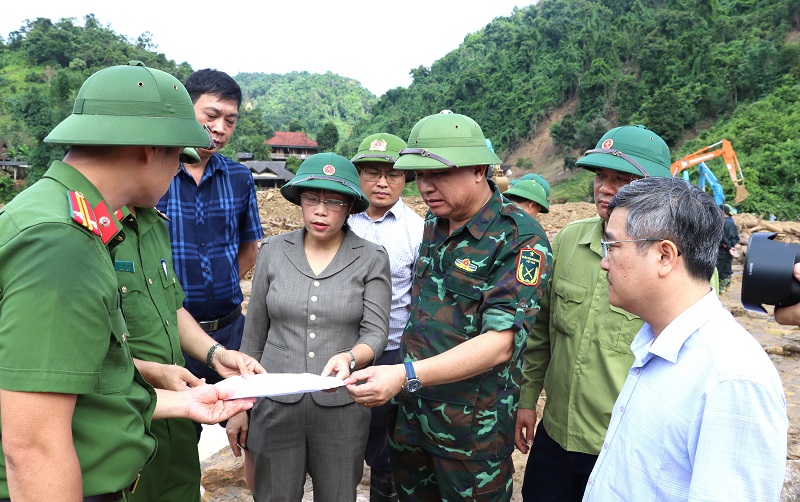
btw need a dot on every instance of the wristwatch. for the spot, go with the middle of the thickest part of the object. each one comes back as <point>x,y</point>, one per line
<point>352,360</point>
<point>412,382</point>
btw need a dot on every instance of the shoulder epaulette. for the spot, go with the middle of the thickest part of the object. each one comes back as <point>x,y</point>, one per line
<point>97,220</point>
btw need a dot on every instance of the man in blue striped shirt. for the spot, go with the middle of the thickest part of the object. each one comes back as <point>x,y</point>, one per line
<point>702,414</point>
<point>214,225</point>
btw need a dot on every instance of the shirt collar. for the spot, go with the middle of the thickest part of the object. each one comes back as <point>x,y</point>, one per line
<point>592,235</point>
<point>669,342</point>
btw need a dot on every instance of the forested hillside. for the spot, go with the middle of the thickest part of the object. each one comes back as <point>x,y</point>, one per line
<point>677,66</point>
<point>695,71</point>
<point>310,98</point>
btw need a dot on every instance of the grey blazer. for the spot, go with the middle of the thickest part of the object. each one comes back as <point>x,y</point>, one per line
<point>297,320</point>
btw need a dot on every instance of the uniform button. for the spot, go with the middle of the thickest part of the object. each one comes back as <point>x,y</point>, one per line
<point>586,336</point>
<point>637,370</point>
<point>316,283</point>
<point>312,317</point>
<point>167,322</point>
<point>124,337</point>
<point>572,407</point>
<point>312,335</point>
<point>311,355</point>
<point>124,289</point>
<point>577,372</point>
<point>605,445</point>
<point>150,281</point>
<point>523,303</point>
<point>313,298</point>
<point>622,409</point>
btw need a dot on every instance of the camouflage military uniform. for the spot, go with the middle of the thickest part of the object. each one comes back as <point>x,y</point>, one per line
<point>488,275</point>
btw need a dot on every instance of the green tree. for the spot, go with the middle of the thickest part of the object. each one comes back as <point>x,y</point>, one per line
<point>295,126</point>
<point>328,137</point>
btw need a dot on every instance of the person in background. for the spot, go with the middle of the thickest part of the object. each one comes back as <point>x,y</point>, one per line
<point>538,178</point>
<point>214,225</point>
<point>483,266</point>
<point>579,348</point>
<point>730,238</point>
<point>530,196</point>
<point>158,329</point>
<point>320,304</point>
<point>702,414</point>
<point>75,412</point>
<point>390,223</point>
<point>790,315</point>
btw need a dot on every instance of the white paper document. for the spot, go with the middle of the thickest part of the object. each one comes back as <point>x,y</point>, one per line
<point>278,384</point>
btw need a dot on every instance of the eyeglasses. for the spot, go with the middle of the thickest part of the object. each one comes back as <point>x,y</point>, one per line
<point>605,244</point>
<point>330,204</point>
<point>392,177</point>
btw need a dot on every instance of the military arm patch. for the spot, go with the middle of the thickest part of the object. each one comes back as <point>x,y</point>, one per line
<point>528,264</point>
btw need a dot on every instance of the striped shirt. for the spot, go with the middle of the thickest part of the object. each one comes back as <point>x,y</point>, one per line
<point>399,231</point>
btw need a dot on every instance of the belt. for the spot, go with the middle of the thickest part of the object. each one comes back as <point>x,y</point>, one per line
<point>220,323</point>
<point>106,497</point>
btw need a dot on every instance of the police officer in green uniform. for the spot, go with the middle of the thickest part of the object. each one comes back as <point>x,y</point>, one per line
<point>483,266</point>
<point>159,328</point>
<point>75,414</point>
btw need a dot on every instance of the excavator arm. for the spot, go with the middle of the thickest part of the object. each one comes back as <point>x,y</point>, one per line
<point>722,149</point>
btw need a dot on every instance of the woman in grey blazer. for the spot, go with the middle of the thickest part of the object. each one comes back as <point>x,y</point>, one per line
<point>320,304</point>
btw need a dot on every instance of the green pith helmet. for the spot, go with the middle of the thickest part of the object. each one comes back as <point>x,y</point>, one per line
<point>530,190</point>
<point>326,171</point>
<point>629,149</point>
<point>381,147</point>
<point>538,178</point>
<point>131,105</point>
<point>446,140</point>
<point>189,156</point>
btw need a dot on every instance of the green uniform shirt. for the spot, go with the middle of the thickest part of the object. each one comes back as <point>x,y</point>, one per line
<point>580,347</point>
<point>151,297</point>
<point>487,276</point>
<point>62,331</point>
<point>151,294</point>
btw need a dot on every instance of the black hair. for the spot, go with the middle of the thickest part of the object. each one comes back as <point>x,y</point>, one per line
<point>210,81</point>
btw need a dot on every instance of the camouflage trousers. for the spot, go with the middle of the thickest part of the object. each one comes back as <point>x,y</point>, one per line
<point>421,476</point>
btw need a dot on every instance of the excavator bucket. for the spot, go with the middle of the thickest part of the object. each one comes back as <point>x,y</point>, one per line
<point>741,194</point>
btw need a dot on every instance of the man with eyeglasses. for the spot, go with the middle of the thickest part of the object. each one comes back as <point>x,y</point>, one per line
<point>390,223</point>
<point>702,414</point>
<point>579,348</point>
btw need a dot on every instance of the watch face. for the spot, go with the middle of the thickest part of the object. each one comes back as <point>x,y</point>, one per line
<point>412,385</point>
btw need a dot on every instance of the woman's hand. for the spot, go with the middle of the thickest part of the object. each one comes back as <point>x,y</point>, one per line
<point>236,430</point>
<point>338,366</point>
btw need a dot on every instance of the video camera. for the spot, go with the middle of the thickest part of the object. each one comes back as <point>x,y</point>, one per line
<point>768,275</point>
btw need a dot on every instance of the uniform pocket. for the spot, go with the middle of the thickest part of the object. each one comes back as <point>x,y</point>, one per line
<point>620,327</point>
<point>116,374</point>
<point>569,296</point>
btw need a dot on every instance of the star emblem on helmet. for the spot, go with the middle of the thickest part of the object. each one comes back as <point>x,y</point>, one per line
<point>608,143</point>
<point>329,170</point>
<point>379,145</point>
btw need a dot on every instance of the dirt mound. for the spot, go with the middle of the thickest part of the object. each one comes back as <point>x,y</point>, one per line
<point>279,215</point>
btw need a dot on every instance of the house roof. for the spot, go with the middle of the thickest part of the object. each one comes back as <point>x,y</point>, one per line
<point>286,138</point>
<point>277,167</point>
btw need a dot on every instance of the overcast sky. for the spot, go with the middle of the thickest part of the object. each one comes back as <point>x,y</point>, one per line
<point>374,42</point>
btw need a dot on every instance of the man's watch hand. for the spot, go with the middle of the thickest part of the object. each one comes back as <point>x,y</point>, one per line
<point>412,382</point>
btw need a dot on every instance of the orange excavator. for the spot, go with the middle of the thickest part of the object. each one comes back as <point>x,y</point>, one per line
<point>719,149</point>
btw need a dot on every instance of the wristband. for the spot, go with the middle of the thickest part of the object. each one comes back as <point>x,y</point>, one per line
<point>210,355</point>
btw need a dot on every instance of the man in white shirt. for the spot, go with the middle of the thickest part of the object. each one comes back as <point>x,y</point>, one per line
<point>390,223</point>
<point>702,414</point>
